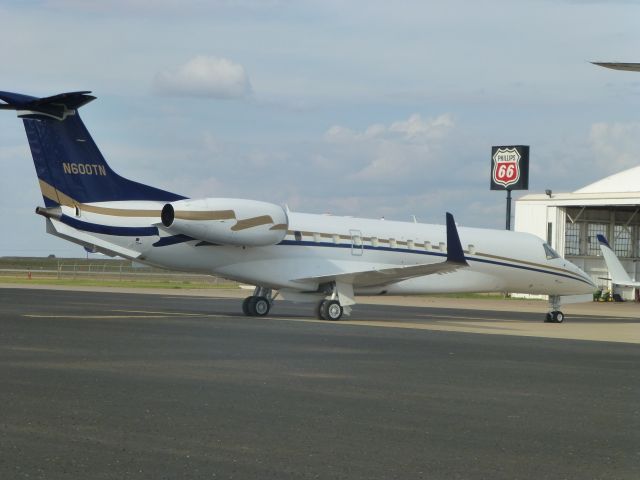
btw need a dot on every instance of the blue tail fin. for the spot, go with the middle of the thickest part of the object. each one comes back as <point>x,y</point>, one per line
<point>69,165</point>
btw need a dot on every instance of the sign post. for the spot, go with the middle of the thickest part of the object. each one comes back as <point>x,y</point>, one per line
<point>510,171</point>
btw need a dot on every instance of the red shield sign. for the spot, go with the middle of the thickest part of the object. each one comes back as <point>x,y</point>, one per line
<point>506,166</point>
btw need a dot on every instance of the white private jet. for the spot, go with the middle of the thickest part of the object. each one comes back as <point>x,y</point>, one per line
<point>323,259</point>
<point>619,275</point>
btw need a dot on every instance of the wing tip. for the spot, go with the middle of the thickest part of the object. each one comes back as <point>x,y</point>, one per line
<point>455,253</point>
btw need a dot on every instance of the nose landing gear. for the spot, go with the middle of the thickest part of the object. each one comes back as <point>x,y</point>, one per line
<point>554,315</point>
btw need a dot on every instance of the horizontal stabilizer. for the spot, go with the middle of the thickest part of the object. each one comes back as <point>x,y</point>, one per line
<point>59,229</point>
<point>57,106</point>
<point>619,275</point>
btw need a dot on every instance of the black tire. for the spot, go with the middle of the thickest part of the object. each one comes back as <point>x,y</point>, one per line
<point>320,310</point>
<point>332,310</point>
<point>559,317</point>
<point>245,306</point>
<point>260,306</point>
<point>549,318</point>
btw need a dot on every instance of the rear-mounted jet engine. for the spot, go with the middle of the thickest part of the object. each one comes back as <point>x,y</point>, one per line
<point>227,221</point>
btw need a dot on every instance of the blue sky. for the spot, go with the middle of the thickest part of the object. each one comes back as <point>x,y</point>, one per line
<point>358,108</point>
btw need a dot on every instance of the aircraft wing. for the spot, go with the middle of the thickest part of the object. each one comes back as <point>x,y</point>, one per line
<point>619,275</point>
<point>384,276</point>
<point>630,67</point>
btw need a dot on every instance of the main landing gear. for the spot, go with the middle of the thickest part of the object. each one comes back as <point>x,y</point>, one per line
<point>258,304</point>
<point>330,310</point>
<point>554,315</point>
<point>339,301</point>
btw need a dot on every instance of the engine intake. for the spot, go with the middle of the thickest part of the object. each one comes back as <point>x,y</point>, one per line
<point>167,215</point>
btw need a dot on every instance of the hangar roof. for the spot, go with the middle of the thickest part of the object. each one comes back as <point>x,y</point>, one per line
<point>626,181</point>
<point>622,188</point>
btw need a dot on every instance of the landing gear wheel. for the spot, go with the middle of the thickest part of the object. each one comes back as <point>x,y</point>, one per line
<point>554,317</point>
<point>320,310</point>
<point>245,306</point>
<point>260,306</point>
<point>331,310</point>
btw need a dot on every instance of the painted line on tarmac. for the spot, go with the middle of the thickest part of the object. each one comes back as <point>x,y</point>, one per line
<point>133,314</point>
<point>90,317</point>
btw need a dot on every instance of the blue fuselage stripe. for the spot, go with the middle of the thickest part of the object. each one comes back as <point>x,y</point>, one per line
<point>433,254</point>
<point>109,229</point>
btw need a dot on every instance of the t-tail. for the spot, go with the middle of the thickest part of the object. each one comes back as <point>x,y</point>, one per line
<point>81,192</point>
<point>619,275</point>
<point>69,165</point>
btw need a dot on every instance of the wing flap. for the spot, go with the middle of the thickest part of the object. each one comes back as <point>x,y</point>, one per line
<point>386,276</point>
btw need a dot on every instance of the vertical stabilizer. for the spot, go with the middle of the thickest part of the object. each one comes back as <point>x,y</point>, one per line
<point>68,163</point>
<point>619,275</point>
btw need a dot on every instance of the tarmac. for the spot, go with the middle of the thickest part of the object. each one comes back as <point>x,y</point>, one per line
<point>596,321</point>
<point>104,384</point>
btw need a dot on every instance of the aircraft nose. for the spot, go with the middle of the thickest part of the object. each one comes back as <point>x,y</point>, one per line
<point>589,284</point>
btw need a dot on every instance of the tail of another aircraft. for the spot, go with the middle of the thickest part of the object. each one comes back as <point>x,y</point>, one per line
<point>70,168</point>
<point>619,275</point>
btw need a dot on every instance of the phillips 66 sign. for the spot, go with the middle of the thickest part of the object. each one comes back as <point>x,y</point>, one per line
<point>510,167</point>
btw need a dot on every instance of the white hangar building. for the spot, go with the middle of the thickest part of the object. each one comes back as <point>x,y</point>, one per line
<point>570,222</point>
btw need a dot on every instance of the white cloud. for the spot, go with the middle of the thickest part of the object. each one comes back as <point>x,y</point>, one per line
<point>205,76</point>
<point>398,151</point>
<point>415,128</point>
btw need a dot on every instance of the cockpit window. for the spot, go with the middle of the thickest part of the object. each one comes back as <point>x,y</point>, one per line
<point>550,252</point>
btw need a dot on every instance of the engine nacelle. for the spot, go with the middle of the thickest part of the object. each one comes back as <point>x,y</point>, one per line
<point>227,221</point>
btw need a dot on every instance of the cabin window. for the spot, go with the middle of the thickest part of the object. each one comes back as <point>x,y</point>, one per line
<point>298,236</point>
<point>550,252</point>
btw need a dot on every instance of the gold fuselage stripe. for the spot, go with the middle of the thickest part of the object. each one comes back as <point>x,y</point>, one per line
<point>57,196</point>
<point>511,261</point>
<point>252,222</point>
<point>205,215</point>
